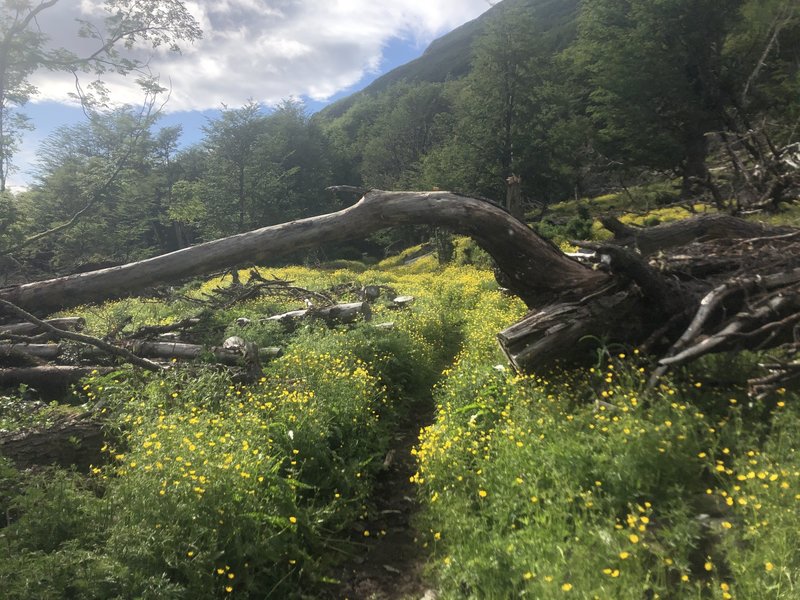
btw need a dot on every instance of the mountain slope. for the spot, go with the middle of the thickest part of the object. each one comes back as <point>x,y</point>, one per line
<point>450,56</point>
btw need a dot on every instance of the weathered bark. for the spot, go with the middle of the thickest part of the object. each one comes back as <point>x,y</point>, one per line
<point>78,337</point>
<point>531,267</point>
<point>625,299</point>
<point>338,313</point>
<point>694,165</point>
<point>48,351</point>
<point>191,351</point>
<point>74,441</point>
<point>66,323</point>
<point>48,376</point>
<point>564,330</point>
<point>649,240</point>
<point>514,204</point>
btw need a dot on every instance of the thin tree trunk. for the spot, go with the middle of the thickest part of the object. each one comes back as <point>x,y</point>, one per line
<point>694,168</point>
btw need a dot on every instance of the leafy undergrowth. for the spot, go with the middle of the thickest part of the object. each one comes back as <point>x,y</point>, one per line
<point>580,484</point>
<point>214,488</point>
<point>586,484</point>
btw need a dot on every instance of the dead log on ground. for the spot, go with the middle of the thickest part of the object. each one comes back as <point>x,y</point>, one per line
<point>168,350</point>
<point>630,300</point>
<point>78,337</point>
<point>72,441</point>
<point>649,240</point>
<point>531,267</point>
<point>66,323</point>
<point>49,376</point>
<point>47,351</point>
<point>338,313</point>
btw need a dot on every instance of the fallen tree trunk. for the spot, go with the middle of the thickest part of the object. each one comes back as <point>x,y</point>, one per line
<point>65,323</point>
<point>48,351</point>
<point>56,376</point>
<point>649,240</point>
<point>530,266</point>
<point>338,313</point>
<point>74,441</point>
<point>168,350</point>
<point>624,299</point>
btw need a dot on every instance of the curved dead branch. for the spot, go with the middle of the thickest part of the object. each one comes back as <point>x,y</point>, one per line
<point>531,267</point>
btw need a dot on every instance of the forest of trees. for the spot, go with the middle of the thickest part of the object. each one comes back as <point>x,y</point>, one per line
<point>619,422</point>
<point>575,98</point>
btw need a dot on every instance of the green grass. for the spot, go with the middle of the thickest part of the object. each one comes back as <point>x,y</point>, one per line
<point>578,484</point>
<point>587,484</point>
<point>213,488</point>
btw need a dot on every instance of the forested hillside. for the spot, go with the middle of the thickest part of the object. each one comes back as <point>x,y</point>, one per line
<point>574,375</point>
<point>576,99</point>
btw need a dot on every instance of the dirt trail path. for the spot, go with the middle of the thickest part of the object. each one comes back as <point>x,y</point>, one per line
<point>391,563</point>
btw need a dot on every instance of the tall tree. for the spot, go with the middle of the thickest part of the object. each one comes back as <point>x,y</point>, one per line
<point>292,158</point>
<point>108,169</point>
<point>404,132</point>
<point>231,141</point>
<point>658,79</point>
<point>505,114</point>
<point>24,49</point>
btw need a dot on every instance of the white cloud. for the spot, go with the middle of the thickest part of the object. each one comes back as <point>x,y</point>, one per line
<point>268,50</point>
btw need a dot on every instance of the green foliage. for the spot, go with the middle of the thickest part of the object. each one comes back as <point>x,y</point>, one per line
<point>213,487</point>
<point>530,490</point>
<point>578,227</point>
<point>258,169</point>
<point>585,482</point>
<point>24,48</point>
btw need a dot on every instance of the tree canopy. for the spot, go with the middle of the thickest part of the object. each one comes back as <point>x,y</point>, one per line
<point>572,99</point>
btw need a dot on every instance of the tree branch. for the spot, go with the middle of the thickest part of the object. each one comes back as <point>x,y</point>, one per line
<point>80,337</point>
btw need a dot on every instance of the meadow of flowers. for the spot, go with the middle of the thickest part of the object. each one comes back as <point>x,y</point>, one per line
<point>581,483</point>
<point>587,484</point>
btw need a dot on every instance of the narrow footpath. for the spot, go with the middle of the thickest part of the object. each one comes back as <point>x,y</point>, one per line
<point>390,566</point>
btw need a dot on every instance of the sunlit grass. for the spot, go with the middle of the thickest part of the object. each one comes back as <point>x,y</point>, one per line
<point>580,483</point>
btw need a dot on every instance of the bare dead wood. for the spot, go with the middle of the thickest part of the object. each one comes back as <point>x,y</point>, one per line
<point>152,330</point>
<point>72,441</point>
<point>338,313</point>
<point>530,266</point>
<point>781,375</point>
<point>79,337</point>
<point>402,302</point>
<point>168,350</point>
<point>649,240</point>
<point>654,287</point>
<point>48,351</point>
<point>514,204</point>
<point>628,302</point>
<point>756,322</point>
<point>256,287</point>
<point>65,323</point>
<point>57,376</point>
<point>782,19</point>
<point>565,330</point>
<point>768,319</point>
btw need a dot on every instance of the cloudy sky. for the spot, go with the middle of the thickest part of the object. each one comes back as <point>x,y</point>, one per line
<point>267,50</point>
